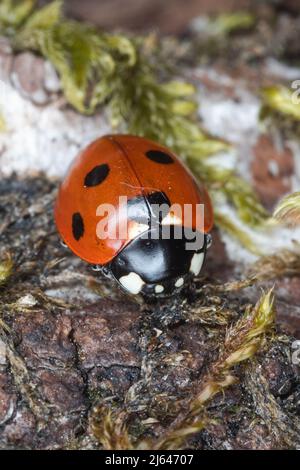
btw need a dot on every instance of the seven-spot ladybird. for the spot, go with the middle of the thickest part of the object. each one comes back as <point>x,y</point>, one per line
<point>119,182</point>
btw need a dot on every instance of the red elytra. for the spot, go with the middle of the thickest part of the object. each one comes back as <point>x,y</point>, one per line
<point>114,166</point>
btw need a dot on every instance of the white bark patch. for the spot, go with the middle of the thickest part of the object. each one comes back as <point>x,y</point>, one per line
<point>42,138</point>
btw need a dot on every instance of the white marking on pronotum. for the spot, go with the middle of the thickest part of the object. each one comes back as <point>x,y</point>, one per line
<point>179,282</point>
<point>158,289</point>
<point>196,263</point>
<point>132,282</point>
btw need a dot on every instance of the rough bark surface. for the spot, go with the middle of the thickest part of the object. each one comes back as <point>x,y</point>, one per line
<point>69,342</point>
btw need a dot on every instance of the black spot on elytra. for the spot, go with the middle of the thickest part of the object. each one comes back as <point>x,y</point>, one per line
<point>160,205</point>
<point>97,175</point>
<point>158,156</point>
<point>159,197</point>
<point>77,226</point>
<point>138,209</point>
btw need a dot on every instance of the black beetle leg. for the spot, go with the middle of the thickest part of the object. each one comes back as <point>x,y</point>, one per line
<point>208,240</point>
<point>63,244</point>
<point>102,269</point>
<point>97,268</point>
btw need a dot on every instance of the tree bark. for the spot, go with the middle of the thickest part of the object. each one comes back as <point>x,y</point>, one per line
<point>71,341</point>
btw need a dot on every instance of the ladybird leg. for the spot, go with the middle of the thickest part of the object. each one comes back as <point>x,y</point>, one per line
<point>102,269</point>
<point>97,268</point>
<point>63,244</point>
<point>208,240</point>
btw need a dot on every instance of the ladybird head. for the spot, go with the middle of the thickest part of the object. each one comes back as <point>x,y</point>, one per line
<point>158,265</point>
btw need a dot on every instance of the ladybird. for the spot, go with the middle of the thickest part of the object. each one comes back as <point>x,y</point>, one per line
<point>122,208</point>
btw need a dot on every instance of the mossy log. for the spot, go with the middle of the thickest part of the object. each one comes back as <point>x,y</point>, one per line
<point>77,356</point>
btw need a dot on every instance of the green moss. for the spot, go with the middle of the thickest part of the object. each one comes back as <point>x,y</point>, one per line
<point>228,23</point>
<point>280,99</point>
<point>226,224</point>
<point>288,209</point>
<point>6,267</point>
<point>13,13</point>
